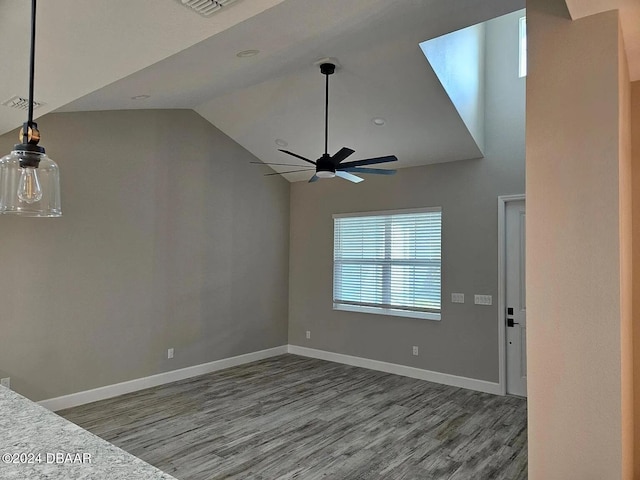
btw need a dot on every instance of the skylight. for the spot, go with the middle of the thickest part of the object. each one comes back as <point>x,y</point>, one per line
<point>522,67</point>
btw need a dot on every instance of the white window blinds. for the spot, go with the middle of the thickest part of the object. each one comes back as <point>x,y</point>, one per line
<point>388,261</point>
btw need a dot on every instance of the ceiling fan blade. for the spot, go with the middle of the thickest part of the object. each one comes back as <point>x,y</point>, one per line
<point>348,176</point>
<point>377,171</point>
<point>369,161</point>
<point>343,153</point>
<point>291,171</point>
<point>315,178</point>
<point>298,156</point>
<point>283,164</point>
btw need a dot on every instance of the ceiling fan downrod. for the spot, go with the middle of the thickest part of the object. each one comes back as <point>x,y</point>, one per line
<point>327,69</point>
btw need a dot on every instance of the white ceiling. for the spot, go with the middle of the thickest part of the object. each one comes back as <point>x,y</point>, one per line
<point>384,74</point>
<point>279,94</point>
<point>81,46</point>
<point>96,55</point>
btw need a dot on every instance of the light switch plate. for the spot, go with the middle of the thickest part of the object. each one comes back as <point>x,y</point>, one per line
<point>483,300</point>
<point>457,298</point>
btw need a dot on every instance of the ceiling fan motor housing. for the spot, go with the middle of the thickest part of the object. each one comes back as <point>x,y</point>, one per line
<point>325,167</point>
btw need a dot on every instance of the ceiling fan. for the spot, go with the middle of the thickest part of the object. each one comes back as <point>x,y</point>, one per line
<point>329,166</point>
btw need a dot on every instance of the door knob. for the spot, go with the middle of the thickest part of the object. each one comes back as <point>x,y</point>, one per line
<point>511,323</point>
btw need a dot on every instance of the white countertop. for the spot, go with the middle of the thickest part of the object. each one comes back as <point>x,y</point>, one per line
<point>35,443</point>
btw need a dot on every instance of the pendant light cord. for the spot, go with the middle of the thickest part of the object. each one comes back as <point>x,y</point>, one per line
<point>326,115</point>
<point>32,61</point>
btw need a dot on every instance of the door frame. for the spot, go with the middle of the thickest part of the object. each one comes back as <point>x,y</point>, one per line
<point>502,252</point>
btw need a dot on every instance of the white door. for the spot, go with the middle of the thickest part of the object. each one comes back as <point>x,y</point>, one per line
<point>516,313</point>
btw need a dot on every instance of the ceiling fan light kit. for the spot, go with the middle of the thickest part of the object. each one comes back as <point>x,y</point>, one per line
<point>29,179</point>
<point>330,166</point>
<point>325,173</point>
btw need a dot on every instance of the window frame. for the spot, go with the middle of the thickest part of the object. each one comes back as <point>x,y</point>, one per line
<point>427,315</point>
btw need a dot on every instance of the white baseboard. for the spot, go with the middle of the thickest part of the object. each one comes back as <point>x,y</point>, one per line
<point>102,393</point>
<point>428,375</point>
<point>109,391</point>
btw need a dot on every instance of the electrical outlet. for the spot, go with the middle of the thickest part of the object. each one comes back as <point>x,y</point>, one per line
<point>170,353</point>
<point>457,298</point>
<point>415,350</point>
<point>483,300</point>
<point>6,382</point>
<point>308,334</point>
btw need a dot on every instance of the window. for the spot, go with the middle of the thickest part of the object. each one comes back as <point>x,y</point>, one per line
<point>522,68</point>
<point>388,262</point>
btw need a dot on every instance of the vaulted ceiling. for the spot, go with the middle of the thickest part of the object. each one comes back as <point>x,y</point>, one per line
<point>97,55</point>
<point>279,93</point>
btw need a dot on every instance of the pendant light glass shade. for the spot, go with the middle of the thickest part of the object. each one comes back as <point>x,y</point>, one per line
<point>29,191</point>
<point>29,180</point>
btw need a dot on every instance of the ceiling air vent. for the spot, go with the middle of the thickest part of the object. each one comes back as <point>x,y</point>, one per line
<point>21,103</point>
<point>206,7</point>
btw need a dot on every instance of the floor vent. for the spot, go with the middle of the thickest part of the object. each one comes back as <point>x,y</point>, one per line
<point>21,103</point>
<point>206,7</point>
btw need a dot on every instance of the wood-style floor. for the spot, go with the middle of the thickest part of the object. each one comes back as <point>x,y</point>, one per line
<point>292,417</point>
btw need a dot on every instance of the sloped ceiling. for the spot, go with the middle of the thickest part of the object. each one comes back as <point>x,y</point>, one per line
<point>82,46</point>
<point>96,55</point>
<point>383,74</point>
<point>279,94</point>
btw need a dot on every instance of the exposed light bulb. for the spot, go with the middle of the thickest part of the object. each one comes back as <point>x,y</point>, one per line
<point>29,190</point>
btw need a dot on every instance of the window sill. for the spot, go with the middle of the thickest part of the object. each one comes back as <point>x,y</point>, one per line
<point>388,311</point>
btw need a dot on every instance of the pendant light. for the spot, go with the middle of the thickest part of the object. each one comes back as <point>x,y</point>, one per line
<point>29,179</point>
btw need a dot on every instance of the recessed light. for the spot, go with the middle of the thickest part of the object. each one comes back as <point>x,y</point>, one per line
<point>140,97</point>
<point>247,53</point>
<point>378,121</point>
<point>281,143</point>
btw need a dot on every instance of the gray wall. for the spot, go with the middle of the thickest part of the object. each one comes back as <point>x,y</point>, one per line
<point>169,238</point>
<point>465,341</point>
